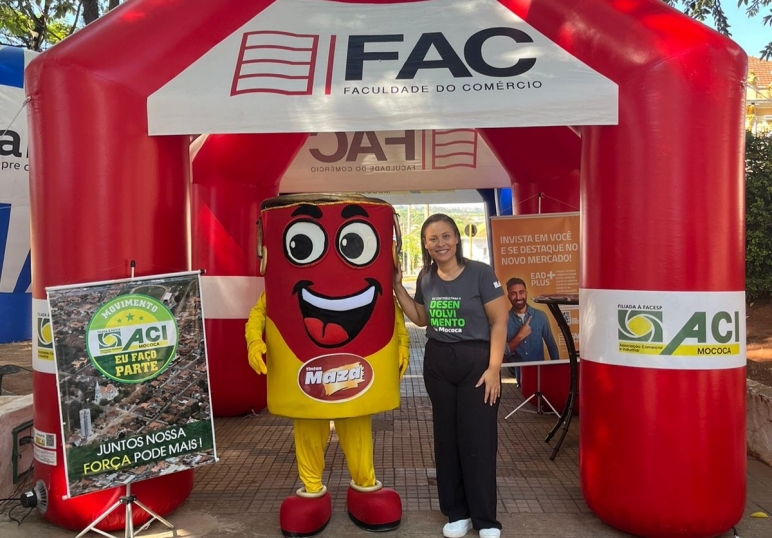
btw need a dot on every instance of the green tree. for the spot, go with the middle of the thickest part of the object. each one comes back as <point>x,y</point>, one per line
<point>702,10</point>
<point>753,9</point>
<point>93,9</point>
<point>411,230</point>
<point>96,411</point>
<point>90,11</point>
<point>38,24</point>
<point>758,200</point>
<point>705,10</point>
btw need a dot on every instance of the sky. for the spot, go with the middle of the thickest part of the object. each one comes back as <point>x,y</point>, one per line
<point>750,33</point>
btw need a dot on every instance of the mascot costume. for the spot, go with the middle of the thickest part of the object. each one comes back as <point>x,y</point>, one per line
<point>335,341</point>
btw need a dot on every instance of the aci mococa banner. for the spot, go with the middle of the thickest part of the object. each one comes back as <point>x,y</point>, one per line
<point>132,378</point>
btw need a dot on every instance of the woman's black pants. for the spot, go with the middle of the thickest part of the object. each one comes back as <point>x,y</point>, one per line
<point>465,431</point>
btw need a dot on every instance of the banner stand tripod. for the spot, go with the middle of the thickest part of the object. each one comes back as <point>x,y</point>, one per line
<point>127,500</point>
<point>538,395</point>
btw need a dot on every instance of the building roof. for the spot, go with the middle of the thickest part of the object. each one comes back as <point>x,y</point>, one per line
<point>761,71</point>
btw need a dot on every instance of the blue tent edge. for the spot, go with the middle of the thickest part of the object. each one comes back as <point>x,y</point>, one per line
<point>12,67</point>
<point>16,313</point>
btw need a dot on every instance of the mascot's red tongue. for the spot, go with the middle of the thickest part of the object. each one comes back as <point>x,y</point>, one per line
<point>329,334</point>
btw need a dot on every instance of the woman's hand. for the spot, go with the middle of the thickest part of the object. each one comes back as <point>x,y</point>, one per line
<point>397,276</point>
<point>492,380</point>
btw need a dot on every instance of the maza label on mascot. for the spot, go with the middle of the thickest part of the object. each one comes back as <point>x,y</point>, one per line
<point>132,379</point>
<point>332,378</point>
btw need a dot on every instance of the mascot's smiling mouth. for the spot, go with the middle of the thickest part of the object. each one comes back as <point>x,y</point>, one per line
<point>334,321</point>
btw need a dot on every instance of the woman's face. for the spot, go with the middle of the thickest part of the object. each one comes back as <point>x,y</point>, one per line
<point>440,241</point>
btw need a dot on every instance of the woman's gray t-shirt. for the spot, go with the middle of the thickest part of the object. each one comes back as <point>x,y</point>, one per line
<point>455,309</point>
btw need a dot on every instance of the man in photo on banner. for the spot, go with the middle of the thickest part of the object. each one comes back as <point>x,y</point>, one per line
<point>528,329</point>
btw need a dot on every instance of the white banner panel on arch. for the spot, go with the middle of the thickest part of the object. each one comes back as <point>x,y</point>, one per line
<point>394,161</point>
<point>15,261</point>
<point>14,168</point>
<point>320,66</point>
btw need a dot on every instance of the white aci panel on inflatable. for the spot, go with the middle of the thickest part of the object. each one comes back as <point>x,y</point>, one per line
<point>15,267</point>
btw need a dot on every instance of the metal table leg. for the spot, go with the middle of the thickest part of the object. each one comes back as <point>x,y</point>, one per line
<point>568,410</point>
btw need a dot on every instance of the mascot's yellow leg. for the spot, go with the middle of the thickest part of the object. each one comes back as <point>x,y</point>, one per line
<point>356,439</point>
<point>310,441</point>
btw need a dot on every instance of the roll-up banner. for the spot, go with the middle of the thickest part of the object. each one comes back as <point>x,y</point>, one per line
<point>15,263</point>
<point>543,251</point>
<point>132,378</point>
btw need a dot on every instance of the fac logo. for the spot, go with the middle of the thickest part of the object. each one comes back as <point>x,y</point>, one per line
<point>640,326</point>
<point>285,63</point>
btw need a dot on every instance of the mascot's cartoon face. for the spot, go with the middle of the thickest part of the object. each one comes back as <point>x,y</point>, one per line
<point>329,275</point>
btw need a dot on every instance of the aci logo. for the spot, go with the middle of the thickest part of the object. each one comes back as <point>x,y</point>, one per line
<point>640,325</point>
<point>642,329</point>
<point>132,338</point>
<point>110,340</point>
<point>45,337</point>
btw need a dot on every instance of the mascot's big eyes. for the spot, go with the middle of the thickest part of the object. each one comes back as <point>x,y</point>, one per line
<point>304,242</point>
<point>358,243</point>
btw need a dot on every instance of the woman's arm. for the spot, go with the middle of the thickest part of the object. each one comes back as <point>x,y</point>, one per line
<point>413,310</point>
<point>497,311</point>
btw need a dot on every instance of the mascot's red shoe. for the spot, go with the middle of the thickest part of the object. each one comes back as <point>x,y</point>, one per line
<point>305,514</point>
<point>375,508</point>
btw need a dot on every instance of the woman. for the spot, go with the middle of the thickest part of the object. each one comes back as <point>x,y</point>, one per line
<point>462,304</point>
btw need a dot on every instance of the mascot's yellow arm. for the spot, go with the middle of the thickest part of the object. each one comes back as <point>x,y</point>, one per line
<point>254,334</point>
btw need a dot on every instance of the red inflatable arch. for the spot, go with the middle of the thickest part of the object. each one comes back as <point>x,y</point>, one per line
<point>662,436</point>
<point>231,172</point>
